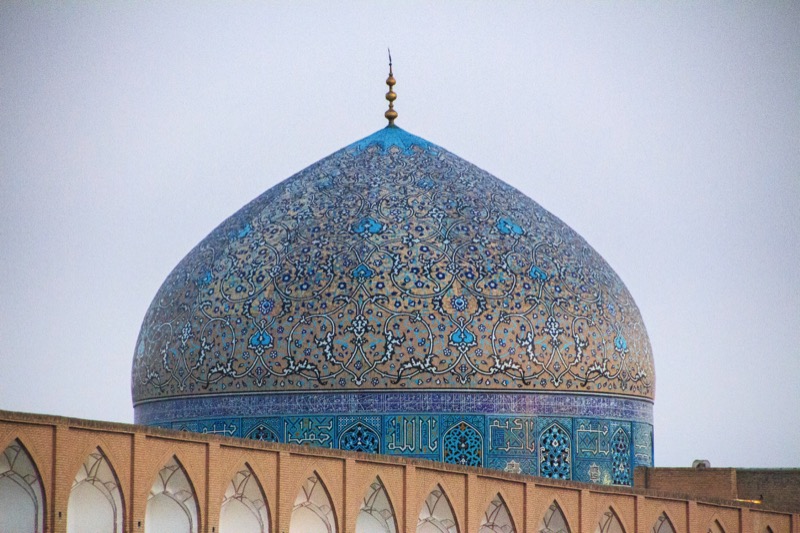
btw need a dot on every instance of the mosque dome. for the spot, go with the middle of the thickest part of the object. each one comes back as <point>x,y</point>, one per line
<point>395,298</point>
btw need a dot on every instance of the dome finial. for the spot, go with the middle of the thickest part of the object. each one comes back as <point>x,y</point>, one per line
<point>390,114</point>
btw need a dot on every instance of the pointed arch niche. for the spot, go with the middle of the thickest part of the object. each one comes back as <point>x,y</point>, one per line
<point>95,499</point>
<point>171,505</point>
<point>244,507</point>
<point>554,453</point>
<point>663,525</point>
<point>716,527</point>
<point>496,518</point>
<point>609,523</point>
<point>436,515</point>
<point>313,510</point>
<point>554,520</point>
<point>621,458</point>
<point>376,514</point>
<point>21,496</point>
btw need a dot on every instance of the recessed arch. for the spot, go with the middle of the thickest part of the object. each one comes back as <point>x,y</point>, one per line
<point>463,445</point>
<point>21,494</point>
<point>313,510</point>
<point>768,529</point>
<point>621,458</point>
<point>436,514</point>
<point>497,518</point>
<point>360,437</point>
<point>172,505</point>
<point>555,451</point>
<point>376,514</point>
<point>553,520</point>
<point>95,499</point>
<point>663,524</point>
<point>609,523</point>
<point>716,527</point>
<point>244,506</point>
<point>263,433</point>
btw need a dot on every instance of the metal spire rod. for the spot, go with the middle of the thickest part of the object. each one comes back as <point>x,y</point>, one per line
<point>390,114</point>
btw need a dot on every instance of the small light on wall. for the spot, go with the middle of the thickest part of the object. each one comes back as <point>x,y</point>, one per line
<point>59,514</point>
<point>757,502</point>
<point>139,523</point>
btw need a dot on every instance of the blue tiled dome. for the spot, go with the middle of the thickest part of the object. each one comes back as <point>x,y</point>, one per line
<point>394,298</point>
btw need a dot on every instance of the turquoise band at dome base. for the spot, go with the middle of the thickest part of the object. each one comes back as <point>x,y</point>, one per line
<point>591,438</point>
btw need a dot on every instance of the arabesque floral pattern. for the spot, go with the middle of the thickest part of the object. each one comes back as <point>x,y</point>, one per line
<point>392,264</point>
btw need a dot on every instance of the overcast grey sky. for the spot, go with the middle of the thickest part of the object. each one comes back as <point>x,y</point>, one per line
<point>667,134</point>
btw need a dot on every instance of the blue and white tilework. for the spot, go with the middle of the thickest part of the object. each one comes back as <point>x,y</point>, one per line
<point>536,434</point>
<point>394,298</point>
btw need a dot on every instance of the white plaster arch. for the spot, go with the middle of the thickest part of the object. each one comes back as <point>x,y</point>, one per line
<point>715,526</point>
<point>497,517</point>
<point>95,499</point>
<point>313,511</point>
<point>244,506</point>
<point>171,504</point>
<point>610,522</point>
<point>554,520</point>
<point>21,493</point>
<point>436,513</point>
<point>376,514</point>
<point>663,524</point>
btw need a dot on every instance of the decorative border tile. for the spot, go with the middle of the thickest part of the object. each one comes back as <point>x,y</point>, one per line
<point>468,402</point>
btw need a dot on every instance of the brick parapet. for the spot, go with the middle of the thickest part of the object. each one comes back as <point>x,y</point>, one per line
<point>58,445</point>
<point>775,488</point>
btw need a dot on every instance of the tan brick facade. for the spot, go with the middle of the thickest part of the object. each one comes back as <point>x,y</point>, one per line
<point>776,488</point>
<point>58,446</point>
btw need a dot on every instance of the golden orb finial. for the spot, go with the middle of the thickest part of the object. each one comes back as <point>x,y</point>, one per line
<point>390,114</point>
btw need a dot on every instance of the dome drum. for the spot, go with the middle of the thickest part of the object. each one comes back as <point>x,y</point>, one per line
<point>512,432</point>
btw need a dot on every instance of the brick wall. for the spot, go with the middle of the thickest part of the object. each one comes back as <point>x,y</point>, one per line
<point>58,447</point>
<point>716,483</point>
<point>775,488</point>
<point>778,488</point>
